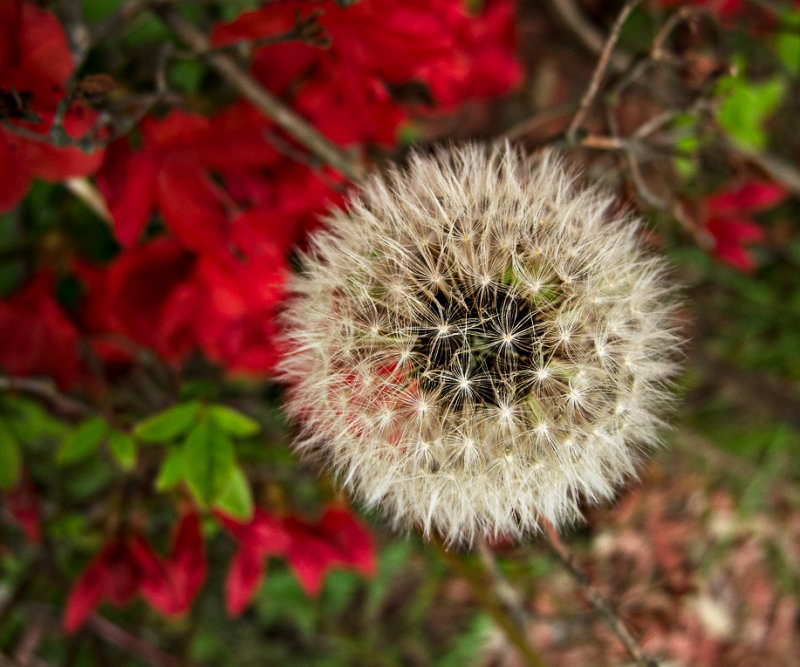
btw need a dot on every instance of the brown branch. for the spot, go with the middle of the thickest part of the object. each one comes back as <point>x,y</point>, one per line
<point>46,389</point>
<point>506,619</point>
<point>600,70</point>
<point>265,101</point>
<point>116,636</point>
<point>570,16</point>
<point>596,599</point>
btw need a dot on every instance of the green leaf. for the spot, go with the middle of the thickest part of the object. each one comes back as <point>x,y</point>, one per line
<point>123,447</point>
<point>171,471</point>
<point>209,460</point>
<point>746,107</point>
<point>234,422</point>
<point>10,458</point>
<point>787,42</point>
<point>169,424</point>
<point>236,499</point>
<point>82,441</point>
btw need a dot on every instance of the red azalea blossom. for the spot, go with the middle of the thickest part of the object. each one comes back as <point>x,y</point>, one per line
<point>114,575</point>
<point>170,585</point>
<point>128,565</point>
<point>727,223</point>
<point>337,540</point>
<point>377,45</point>
<point>38,338</point>
<point>23,504</point>
<point>165,175</point>
<point>35,64</point>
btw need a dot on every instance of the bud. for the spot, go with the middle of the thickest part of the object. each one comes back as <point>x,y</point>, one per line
<point>479,343</point>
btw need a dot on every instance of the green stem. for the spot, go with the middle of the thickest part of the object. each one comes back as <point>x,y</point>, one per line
<point>502,616</point>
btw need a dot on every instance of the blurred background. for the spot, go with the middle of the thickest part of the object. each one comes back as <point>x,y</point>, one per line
<point>161,162</point>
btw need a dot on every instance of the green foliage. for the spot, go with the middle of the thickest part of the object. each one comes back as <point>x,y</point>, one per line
<point>171,471</point>
<point>234,423</point>
<point>787,41</point>
<point>123,447</point>
<point>10,458</point>
<point>169,424</point>
<point>82,441</point>
<point>236,498</point>
<point>746,105</point>
<point>209,460</point>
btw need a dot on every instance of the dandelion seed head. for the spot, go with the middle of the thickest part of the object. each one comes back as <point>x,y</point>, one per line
<point>479,343</point>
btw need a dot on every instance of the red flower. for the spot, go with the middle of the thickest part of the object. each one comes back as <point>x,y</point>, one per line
<point>148,296</point>
<point>38,338</point>
<point>115,575</point>
<point>165,175</point>
<point>171,585</point>
<point>23,504</point>
<point>263,536</point>
<point>35,64</point>
<point>128,565</point>
<point>345,90</point>
<point>727,224</point>
<point>337,540</point>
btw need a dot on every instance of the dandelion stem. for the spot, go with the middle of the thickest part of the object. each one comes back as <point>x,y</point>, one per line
<point>510,619</point>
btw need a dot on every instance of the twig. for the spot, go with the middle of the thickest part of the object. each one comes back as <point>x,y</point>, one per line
<point>116,636</point>
<point>600,70</point>
<point>589,36</point>
<point>507,619</point>
<point>596,599</point>
<point>47,390</point>
<point>266,102</point>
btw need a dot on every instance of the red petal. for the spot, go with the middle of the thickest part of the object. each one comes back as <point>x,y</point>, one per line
<point>263,534</point>
<point>353,543</point>
<point>83,598</point>
<point>190,207</point>
<point>244,577</point>
<point>13,175</point>
<point>750,197</point>
<point>23,503</point>
<point>310,556</point>
<point>127,181</point>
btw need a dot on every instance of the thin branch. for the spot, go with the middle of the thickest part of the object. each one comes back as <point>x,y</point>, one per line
<point>506,619</point>
<point>45,389</point>
<point>266,102</point>
<point>600,70</point>
<point>596,599</point>
<point>116,636</point>
<point>588,35</point>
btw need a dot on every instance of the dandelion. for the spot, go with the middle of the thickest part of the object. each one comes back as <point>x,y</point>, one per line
<point>479,343</point>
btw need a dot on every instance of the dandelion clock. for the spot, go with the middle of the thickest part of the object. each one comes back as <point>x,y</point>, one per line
<point>479,343</point>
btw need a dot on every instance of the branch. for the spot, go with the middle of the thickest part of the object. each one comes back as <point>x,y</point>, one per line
<point>590,37</point>
<point>596,599</point>
<point>46,390</point>
<point>116,636</point>
<point>600,69</point>
<point>266,102</point>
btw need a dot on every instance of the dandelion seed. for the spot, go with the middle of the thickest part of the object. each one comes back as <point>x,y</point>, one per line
<point>479,343</point>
